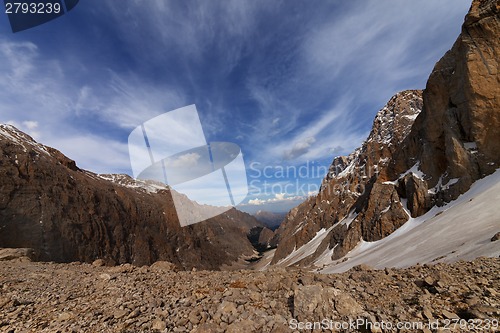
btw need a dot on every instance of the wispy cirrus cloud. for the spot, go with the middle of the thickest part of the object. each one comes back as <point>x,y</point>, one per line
<point>40,96</point>
<point>346,69</point>
<point>288,81</point>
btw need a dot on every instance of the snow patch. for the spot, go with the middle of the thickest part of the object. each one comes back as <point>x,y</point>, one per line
<point>460,230</point>
<point>306,249</point>
<point>348,219</point>
<point>385,210</point>
<point>299,227</point>
<point>126,181</point>
<point>440,187</point>
<point>383,160</point>
<point>415,170</point>
<point>325,258</point>
<point>411,117</point>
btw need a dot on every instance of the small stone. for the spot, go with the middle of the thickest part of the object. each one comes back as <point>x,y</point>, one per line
<point>98,263</point>
<point>17,253</point>
<point>125,268</point>
<point>159,325</point>
<point>65,316</point>
<point>346,305</point>
<point>243,326</point>
<point>120,313</point>
<point>472,301</point>
<point>4,301</point>
<point>134,314</point>
<point>490,292</point>
<point>427,313</point>
<point>227,307</point>
<point>105,276</point>
<point>440,284</point>
<point>362,267</point>
<point>163,266</point>
<point>496,237</point>
<point>182,321</point>
<point>429,281</point>
<point>206,328</point>
<point>450,315</point>
<point>193,318</point>
<point>255,296</point>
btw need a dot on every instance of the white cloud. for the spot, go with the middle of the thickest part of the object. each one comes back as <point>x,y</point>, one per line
<point>30,87</point>
<point>189,160</point>
<point>279,198</point>
<point>379,47</point>
<point>186,29</point>
<point>128,101</point>
<point>299,148</point>
<point>30,124</point>
<point>256,202</point>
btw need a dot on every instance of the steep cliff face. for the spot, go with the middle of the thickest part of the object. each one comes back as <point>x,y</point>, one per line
<point>66,214</point>
<point>457,135</point>
<point>425,149</point>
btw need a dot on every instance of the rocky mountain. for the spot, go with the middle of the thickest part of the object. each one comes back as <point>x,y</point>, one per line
<point>68,214</point>
<point>424,150</point>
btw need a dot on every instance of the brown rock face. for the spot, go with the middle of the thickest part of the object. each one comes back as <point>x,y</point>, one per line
<point>68,214</point>
<point>457,135</point>
<point>413,160</point>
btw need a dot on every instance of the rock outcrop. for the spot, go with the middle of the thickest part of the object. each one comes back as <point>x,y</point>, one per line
<point>425,149</point>
<point>68,214</point>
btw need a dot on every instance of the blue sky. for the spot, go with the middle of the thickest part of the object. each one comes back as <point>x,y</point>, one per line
<point>293,83</point>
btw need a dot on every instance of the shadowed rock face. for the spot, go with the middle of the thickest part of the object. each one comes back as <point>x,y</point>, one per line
<point>67,214</point>
<point>425,149</point>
